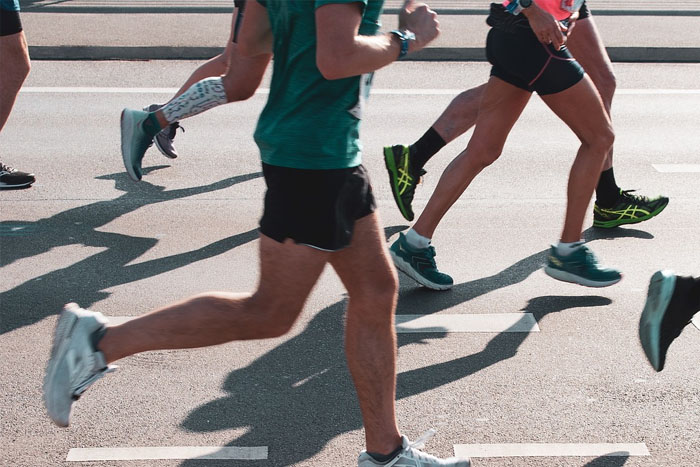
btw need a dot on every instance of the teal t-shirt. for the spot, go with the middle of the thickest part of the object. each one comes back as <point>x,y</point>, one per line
<point>310,122</point>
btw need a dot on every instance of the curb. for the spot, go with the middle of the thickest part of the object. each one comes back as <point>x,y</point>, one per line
<point>96,53</point>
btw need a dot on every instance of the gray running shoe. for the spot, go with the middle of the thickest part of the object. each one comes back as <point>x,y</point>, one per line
<point>411,456</point>
<point>135,141</point>
<point>164,140</point>
<point>13,178</point>
<point>74,363</point>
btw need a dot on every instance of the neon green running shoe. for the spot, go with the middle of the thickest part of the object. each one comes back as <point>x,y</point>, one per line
<point>629,209</point>
<point>402,178</point>
<point>580,267</point>
<point>419,264</point>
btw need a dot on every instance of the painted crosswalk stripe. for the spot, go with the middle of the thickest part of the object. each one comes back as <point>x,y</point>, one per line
<point>677,168</point>
<point>170,452</point>
<point>405,324</point>
<point>551,450</point>
<point>493,322</point>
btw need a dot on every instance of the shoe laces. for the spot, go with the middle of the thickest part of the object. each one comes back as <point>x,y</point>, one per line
<point>639,199</point>
<point>413,450</point>
<point>6,168</point>
<point>172,129</point>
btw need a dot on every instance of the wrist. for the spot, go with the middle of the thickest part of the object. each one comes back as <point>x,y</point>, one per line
<point>406,40</point>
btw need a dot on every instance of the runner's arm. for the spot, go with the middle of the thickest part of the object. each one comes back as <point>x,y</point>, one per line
<point>341,52</point>
<point>255,37</point>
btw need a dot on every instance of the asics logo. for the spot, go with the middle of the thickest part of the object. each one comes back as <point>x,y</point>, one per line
<point>555,261</point>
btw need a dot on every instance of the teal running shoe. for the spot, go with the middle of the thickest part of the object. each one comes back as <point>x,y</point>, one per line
<point>629,209</point>
<point>667,311</point>
<point>419,264</point>
<point>402,178</point>
<point>580,267</point>
<point>135,141</point>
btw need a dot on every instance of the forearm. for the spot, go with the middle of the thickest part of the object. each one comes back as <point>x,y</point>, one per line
<point>366,54</point>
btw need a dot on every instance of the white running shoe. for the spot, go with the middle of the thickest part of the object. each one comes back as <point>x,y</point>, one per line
<point>411,456</point>
<point>74,363</point>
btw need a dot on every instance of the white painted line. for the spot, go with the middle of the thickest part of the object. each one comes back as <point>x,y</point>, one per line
<point>495,322</point>
<point>412,92</point>
<point>550,450</point>
<point>696,320</point>
<point>171,452</point>
<point>677,168</point>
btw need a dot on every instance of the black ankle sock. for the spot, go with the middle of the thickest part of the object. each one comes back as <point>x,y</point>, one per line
<point>607,191</point>
<point>385,457</point>
<point>426,147</point>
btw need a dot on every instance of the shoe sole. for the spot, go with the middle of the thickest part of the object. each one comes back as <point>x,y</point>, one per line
<point>574,279</point>
<point>661,287</point>
<point>393,175</point>
<point>619,222</point>
<point>406,268</point>
<point>167,154</point>
<point>64,328</point>
<point>18,185</point>
<point>127,125</point>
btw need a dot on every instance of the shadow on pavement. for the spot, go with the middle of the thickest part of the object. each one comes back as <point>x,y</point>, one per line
<point>85,282</point>
<point>299,396</point>
<point>616,459</point>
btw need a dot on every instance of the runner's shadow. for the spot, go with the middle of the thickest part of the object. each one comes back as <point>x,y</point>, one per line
<point>86,281</point>
<point>618,460</point>
<point>298,397</point>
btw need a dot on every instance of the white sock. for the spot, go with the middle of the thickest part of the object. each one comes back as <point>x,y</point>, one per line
<point>200,97</point>
<point>416,240</point>
<point>565,249</point>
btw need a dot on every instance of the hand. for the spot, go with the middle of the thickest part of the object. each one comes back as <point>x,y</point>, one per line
<point>547,29</point>
<point>572,22</point>
<point>421,21</point>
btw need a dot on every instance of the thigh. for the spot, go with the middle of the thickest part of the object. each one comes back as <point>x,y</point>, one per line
<point>501,106</point>
<point>581,108</point>
<point>365,264</point>
<point>587,47</point>
<point>288,272</point>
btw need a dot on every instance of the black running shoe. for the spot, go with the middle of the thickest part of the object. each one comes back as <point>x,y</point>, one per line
<point>629,209</point>
<point>13,178</point>
<point>402,178</point>
<point>666,312</point>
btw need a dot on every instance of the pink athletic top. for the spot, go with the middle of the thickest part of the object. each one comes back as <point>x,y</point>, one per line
<point>560,9</point>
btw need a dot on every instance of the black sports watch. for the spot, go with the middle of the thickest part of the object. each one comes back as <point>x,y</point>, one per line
<point>525,3</point>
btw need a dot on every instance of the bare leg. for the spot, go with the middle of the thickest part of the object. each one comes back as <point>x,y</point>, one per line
<point>287,273</point>
<point>501,107</point>
<point>587,47</point>
<point>581,108</point>
<point>370,337</point>
<point>15,68</point>
<point>460,115</point>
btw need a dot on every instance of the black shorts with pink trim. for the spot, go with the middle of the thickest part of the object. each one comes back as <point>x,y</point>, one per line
<point>520,59</point>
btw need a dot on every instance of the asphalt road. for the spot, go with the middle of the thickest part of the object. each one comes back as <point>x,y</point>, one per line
<point>85,232</point>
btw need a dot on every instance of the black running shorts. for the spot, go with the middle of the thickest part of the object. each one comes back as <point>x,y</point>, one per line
<point>317,208</point>
<point>240,4</point>
<point>520,59</point>
<point>9,22</point>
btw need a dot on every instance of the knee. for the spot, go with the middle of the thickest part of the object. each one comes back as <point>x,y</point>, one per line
<point>483,155</point>
<point>273,316</point>
<point>377,295</point>
<point>602,141</point>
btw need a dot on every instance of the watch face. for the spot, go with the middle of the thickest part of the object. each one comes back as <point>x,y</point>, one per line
<point>525,3</point>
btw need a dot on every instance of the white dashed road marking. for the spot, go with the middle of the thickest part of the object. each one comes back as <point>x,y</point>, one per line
<point>677,168</point>
<point>171,452</point>
<point>551,450</point>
